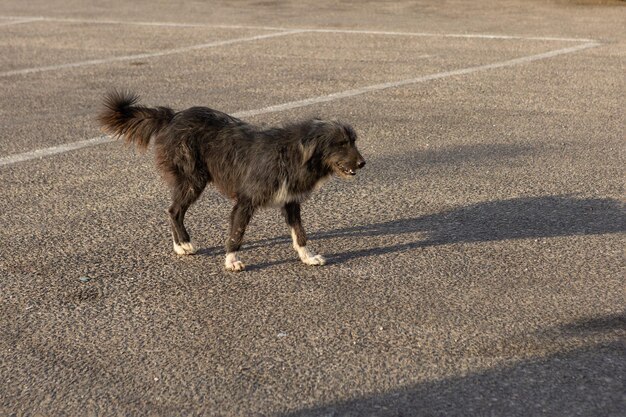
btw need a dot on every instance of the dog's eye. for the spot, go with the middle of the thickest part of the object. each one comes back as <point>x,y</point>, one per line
<point>343,144</point>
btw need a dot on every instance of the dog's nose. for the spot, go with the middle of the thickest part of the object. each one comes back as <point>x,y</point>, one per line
<point>361,164</point>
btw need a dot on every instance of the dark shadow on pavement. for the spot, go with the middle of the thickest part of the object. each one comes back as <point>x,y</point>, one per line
<point>517,218</point>
<point>583,382</point>
<point>587,381</point>
<point>606,324</point>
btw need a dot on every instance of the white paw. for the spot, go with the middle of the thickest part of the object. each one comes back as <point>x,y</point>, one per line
<point>233,264</point>
<point>185,248</point>
<point>309,257</point>
<point>315,260</point>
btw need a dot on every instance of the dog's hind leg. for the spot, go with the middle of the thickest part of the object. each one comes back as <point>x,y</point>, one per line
<point>239,219</point>
<point>184,193</point>
<point>291,211</point>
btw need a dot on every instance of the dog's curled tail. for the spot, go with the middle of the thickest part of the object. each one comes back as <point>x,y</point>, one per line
<point>136,124</point>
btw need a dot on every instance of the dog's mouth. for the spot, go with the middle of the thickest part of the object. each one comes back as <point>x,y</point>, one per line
<point>348,172</point>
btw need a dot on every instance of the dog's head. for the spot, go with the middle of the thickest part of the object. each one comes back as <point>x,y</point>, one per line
<point>332,143</point>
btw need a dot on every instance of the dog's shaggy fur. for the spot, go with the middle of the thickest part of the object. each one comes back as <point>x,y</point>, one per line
<point>255,167</point>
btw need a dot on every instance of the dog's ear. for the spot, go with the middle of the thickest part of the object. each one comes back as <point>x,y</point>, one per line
<point>349,131</point>
<point>314,130</point>
<point>319,134</point>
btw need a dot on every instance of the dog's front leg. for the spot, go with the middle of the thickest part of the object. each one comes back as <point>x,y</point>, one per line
<point>291,211</point>
<point>239,219</point>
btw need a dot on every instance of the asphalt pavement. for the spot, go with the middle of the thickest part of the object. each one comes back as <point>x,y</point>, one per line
<point>475,265</point>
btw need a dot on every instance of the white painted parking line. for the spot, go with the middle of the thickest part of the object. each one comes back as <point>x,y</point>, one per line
<point>452,35</point>
<point>53,150</point>
<point>20,21</point>
<point>409,81</point>
<point>143,23</point>
<point>146,55</point>
<point>328,30</point>
<point>40,153</point>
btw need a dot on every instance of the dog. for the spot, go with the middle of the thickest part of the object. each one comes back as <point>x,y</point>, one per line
<point>255,167</point>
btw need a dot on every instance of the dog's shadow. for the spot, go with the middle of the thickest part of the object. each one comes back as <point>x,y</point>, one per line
<point>517,218</point>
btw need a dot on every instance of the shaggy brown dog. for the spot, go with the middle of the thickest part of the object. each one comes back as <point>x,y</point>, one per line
<point>254,166</point>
